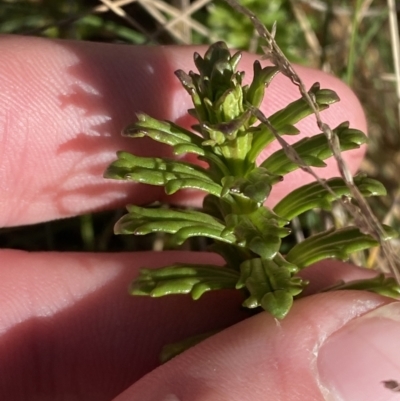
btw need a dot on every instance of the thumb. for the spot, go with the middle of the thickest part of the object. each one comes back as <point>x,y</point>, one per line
<point>332,346</point>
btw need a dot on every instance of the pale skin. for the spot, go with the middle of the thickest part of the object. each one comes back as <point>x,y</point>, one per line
<point>68,329</point>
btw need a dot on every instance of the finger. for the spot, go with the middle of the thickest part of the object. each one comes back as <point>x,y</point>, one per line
<point>68,326</point>
<point>63,106</point>
<point>333,346</point>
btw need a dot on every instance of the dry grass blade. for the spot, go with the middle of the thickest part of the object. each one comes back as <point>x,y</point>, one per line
<point>323,6</point>
<point>183,27</point>
<point>394,36</point>
<point>121,13</point>
<point>310,35</point>
<point>175,14</point>
<point>151,8</point>
<point>182,16</point>
<point>117,3</point>
<point>102,8</point>
<point>156,9</point>
<point>364,218</point>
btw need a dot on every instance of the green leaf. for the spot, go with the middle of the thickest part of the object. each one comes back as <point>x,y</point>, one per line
<point>195,279</point>
<point>183,148</point>
<point>313,150</point>
<point>127,165</point>
<point>233,255</point>
<point>216,164</point>
<point>228,109</point>
<point>271,284</point>
<point>201,230</point>
<point>189,85</point>
<point>213,206</point>
<point>174,175</point>
<point>161,131</point>
<point>263,218</point>
<point>217,168</point>
<point>216,61</point>
<point>261,79</point>
<point>174,185</point>
<point>142,221</point>
<point>157,213</point>
<point>222,132</point>
<point>299,109</point>
<point>314,195</point>
<point>182,223</point>
<point>256,185</point>
<point>259,231</point>
<point>337,244</point>
<point>380,284</point>
<point>216,92</point>
<point>289,115</point>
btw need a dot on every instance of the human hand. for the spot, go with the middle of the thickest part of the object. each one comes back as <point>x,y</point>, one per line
<point>70,331</point>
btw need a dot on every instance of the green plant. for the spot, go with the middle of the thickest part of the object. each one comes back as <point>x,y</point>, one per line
<point>248,235</point>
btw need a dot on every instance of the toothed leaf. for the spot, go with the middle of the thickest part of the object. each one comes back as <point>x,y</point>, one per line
<point>313,150</point>
<point>175,185</point>
<point>258,232</point>
<point>261,79</point>
<point>161,131</point>
<point>142,221</point>
<point>256,185</point>
<point>231,253</point>
<point>314,195</point>
<point>271,284</point>
<point>380,284</point>
<point>174,175</point>
<point>201,230</point>
<point>289,115</point>
<point>336,244</point>
<point>195,279</point>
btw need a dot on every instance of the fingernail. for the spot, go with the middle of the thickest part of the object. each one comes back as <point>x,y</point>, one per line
<point>361,361</point>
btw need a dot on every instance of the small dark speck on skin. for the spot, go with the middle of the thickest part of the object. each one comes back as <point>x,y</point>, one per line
<point>392,385</point>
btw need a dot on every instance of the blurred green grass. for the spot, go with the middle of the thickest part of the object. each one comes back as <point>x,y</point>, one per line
<point>348,39</point>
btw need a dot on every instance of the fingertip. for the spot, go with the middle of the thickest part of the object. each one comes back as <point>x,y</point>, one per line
<point>75,307</point>
<point>258,356</point>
